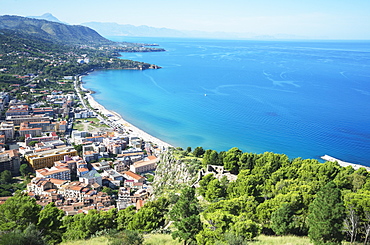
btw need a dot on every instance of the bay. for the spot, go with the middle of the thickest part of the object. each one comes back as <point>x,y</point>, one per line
<point>301,98</point>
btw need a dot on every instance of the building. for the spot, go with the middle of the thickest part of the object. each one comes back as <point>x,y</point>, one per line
<point>10,160</point>
<point>112,174</point>
<point>4,100</point>
<point>40,185</point>
<point>100,166</point>
<point>144,166</point>
<point>7,129</point>
<point>46,159</point>
<point>52,137</point>
<point>26,129</point>
<point>17,110</point>
<point>18,119</point>
<point>49,111</point>
<point>55,172</point>
<point>133,176</point>
<point>91,177</point>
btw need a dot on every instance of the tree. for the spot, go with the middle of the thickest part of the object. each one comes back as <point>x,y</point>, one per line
<point>210,158</point>
<point>50,221</point>
<point>6,177</point>
<point>146,220</point>
<point>124,217</point>
<point>31,235</point>
<point>214,190</point>
<point>24,170</point>
<point>33,143</point>
<point>282,220</point>
<point>351,223</point>
<point>326,216</point>
<point>185,214</point>
<point>18,212</point>
<point>245,227</point>
<point>198,152</point>
<point>203,184</point>
<point>107,190</point>
<point>231,160</point>
<point>188,150</point>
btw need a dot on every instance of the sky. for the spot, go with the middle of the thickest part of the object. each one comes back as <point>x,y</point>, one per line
<point>317,19</point>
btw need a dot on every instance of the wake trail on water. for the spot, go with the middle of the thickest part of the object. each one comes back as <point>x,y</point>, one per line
<point>155,83</point>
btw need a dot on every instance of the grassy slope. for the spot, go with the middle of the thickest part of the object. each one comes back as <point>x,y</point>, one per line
<point>162,239</point>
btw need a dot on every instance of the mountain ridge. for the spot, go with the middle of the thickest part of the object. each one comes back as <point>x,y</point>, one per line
<point>52,31</point>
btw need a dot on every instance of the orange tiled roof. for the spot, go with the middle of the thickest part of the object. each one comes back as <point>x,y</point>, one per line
<point>133,175</point>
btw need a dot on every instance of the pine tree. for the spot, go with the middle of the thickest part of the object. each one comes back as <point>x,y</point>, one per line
<point>185,214</point>
<point>282,220</point>
<point>326,215</point>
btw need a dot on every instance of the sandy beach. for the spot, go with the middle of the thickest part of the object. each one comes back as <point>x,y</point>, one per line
<point>116,118</point>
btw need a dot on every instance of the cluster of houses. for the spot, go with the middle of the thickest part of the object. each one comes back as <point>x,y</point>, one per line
<point>74,180</point>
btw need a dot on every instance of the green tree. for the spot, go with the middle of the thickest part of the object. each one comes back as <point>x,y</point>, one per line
<point>31,235</point>
<point>78,148</point>
<point>18,212</point>
<point>215,225</point>
<point>124,217</point>
<point>24,169</point>
<point>247,160</point>
<point>6,177</point>
<point>185,214</point>
<point>33,143</point>
<point>214,191</point>
<point>146,220</point>
<point>245,228</point>
<point>203,184</point>
<point>210,158</point>
<point>282,220</point>
<point>50,221</point>
<point>198,151</point>
<point>326,216</point>
<point>107,190</point>
<point>231,160</point>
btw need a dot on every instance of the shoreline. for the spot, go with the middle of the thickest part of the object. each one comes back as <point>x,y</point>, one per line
<point>116,118</point>
<point>343,163</point>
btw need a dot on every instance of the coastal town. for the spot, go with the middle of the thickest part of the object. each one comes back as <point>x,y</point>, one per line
<point>72,170</point>
<point>79,152</point>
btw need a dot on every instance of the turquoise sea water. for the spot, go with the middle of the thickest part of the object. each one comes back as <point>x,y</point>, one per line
<point>304,99</point>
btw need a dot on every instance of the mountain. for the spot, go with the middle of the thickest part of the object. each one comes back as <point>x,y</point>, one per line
<point>52,31</point>
<point>47,16</point>
<point>114,29</point>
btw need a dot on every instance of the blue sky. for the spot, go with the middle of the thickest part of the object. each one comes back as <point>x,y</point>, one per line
<point>321,19</point>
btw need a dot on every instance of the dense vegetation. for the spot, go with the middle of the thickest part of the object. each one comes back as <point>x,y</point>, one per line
<point>272,195</point>
<point>277,195</point>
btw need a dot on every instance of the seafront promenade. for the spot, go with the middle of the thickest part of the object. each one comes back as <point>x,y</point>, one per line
<point>344,164</point>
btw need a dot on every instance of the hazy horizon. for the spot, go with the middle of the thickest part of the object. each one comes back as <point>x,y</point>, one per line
<point>312,20</point>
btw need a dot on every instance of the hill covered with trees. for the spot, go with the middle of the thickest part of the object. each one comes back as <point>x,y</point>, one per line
<point>52,31</point>
<point>271,194</point>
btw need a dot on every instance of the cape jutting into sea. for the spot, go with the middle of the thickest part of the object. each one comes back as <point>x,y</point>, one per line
<point>301,98</point>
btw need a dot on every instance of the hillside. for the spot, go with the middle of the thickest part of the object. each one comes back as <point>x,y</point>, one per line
<point>51,31</point>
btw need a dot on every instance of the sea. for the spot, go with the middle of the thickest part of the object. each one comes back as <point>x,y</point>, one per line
<point>299,98</point>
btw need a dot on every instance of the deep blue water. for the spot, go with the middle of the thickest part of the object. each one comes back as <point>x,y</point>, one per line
<point>303,99</point>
